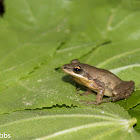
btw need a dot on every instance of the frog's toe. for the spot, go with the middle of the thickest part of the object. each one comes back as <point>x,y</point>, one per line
<point>91,102</point>
<point>96,102</point>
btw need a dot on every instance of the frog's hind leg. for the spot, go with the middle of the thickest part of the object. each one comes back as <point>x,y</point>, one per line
<point>121,91</point>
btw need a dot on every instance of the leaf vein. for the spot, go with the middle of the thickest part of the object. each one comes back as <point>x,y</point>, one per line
<point>117,56</point>
<point>74,129</point>
<point>60,116</point>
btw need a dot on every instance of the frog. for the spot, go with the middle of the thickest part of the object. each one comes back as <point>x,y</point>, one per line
<point>101,81</point>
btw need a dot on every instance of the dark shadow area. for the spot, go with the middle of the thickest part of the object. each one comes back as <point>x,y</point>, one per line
<point>58,69</point>
<point>106,43</point>
<point>68,79</point>
<point>2,10</point>
<point>61,44</point>
<point>65,78</point>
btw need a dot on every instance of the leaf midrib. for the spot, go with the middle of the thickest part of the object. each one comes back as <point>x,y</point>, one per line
<point>60,116</point>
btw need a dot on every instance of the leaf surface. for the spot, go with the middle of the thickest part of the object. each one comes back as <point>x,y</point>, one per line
<point>136,112</point>
<point>70,123</point>
<point>38,37</point>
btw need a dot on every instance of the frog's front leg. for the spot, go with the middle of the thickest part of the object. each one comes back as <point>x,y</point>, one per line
<point>99,97</point>
<point>100,91</point>
<point>100,88</point>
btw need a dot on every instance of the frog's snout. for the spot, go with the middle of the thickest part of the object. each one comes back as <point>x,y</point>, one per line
<point>64,67</point>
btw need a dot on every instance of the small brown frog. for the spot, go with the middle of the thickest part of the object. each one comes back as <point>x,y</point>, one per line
<point>99,80</point>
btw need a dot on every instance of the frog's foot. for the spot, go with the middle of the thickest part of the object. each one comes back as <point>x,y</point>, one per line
<point>107,100</point>
<point>86,92</point>
<point>91,102</point>
<point>77,88</point>
<point>113,99</point>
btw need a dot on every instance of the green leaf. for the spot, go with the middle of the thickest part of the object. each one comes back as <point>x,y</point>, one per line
<point>135,112</point>
<point>106,122</point>
<point>37,38</point>
<point>132,101</point>
<point>43,36</point>
<point>29,41</point>
<point>47,35</point>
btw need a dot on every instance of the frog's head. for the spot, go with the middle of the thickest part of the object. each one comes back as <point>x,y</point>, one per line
<point>80,72</point>
<point>75,69</point>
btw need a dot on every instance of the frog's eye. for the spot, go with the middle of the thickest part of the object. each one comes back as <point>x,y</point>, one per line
<point>77,69</point>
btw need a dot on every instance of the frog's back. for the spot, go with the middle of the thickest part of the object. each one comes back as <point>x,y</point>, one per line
<point>109,79</point>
